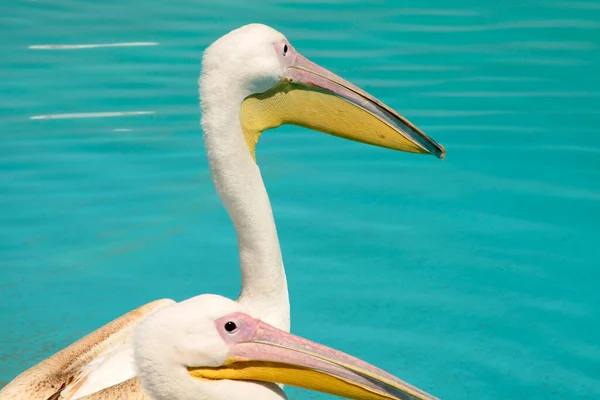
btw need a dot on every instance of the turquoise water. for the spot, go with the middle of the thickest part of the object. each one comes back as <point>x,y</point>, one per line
<point>473,278</point>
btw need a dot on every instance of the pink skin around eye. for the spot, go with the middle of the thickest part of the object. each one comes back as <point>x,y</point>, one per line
<point>290,55</point>
<point>245,331</point>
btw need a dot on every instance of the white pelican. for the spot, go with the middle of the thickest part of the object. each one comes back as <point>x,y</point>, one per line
<point>252,80</point>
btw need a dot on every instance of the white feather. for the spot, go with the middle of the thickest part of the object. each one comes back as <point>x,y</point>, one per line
<point>112,367</point>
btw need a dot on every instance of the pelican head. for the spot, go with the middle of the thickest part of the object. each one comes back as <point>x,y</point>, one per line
<point>259,73</point>
<point>211,347</point>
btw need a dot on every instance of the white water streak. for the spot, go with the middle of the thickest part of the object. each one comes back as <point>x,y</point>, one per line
<point>89,46</point>
<point>92,115</point>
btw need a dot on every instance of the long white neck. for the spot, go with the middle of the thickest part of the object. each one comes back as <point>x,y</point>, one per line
<point>239,183</point>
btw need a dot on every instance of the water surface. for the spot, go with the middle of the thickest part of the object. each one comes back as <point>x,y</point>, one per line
<point>473,278</point>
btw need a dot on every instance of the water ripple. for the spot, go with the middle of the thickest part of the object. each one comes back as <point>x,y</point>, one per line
<point>478,273</point>
<point>531,24</point>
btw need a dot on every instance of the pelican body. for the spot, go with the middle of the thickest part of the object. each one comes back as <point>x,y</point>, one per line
<point>209,347</point>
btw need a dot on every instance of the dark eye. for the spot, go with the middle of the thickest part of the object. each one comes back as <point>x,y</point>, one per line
<point>230,326</point>
<point>285,49</point>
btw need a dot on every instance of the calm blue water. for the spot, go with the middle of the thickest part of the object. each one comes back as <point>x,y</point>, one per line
<point>473,278</point>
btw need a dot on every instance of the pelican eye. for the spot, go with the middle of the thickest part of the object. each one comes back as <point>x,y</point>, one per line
<point>285,49</point>
<point>230,326</point>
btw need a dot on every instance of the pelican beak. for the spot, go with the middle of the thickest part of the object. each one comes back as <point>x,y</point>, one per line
<point>313,97</point>
<point>260,352</point>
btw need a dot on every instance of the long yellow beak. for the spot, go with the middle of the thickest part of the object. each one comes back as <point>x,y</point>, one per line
<point>260,352</point>
<point>313,97</point>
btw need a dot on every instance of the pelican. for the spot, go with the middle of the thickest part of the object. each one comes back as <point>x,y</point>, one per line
<point>210,347</point>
